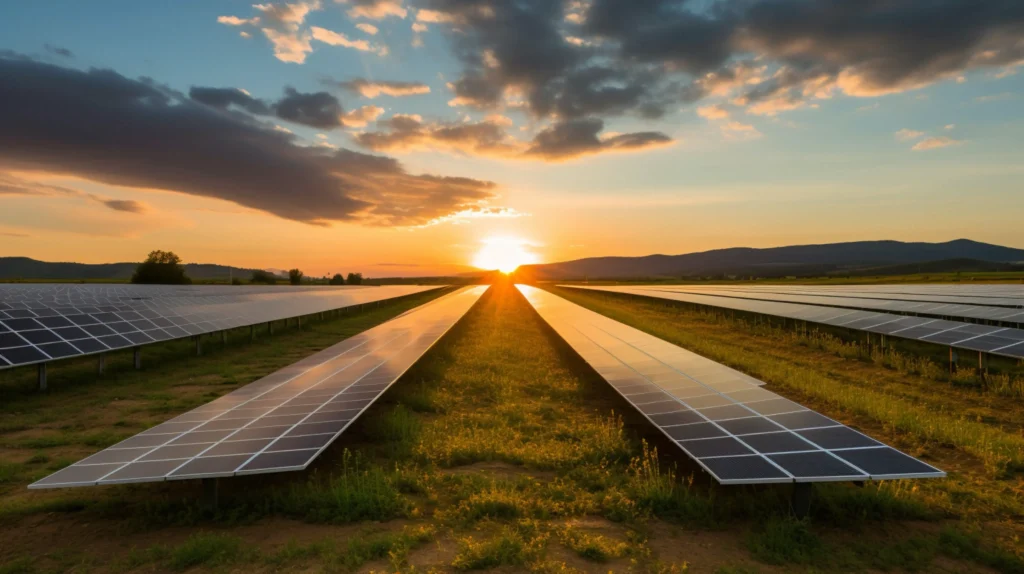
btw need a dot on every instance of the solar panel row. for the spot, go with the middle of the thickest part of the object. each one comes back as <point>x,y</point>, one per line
<point>40,323</point>
<point>933,309</point>
<point>1003,341</point>
<point>737,431</point>
<point>281,422</point>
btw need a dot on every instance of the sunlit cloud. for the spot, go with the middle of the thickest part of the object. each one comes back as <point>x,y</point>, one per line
<point>935,143</point>
<point>908,134</point>
<point>372,89</point>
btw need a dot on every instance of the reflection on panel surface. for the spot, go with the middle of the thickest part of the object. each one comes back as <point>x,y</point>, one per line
<point>282,421</point>
<point>40,323</point>
<point>736,430</point>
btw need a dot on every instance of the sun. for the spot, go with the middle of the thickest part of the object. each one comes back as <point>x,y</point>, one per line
<point>505,254</point>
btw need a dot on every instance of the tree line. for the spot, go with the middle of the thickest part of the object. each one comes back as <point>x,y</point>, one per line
<point>165,268</point>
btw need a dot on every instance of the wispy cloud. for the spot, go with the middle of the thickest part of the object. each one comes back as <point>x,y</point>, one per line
<point>908,134</point>
<point>935,143</point>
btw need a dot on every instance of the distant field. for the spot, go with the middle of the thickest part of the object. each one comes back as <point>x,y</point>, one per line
<point>500,449</point>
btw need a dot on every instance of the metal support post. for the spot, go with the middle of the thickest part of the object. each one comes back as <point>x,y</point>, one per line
<point>210,494</point>
<point>101,363</point>
<point>801,502</point>
<point>252,333</point>
<point>224,337</point>
<point>270,327</point>
<point>42,376</point>
<point>199,345</point>
<point>952,360</point>
<point>137,357</point>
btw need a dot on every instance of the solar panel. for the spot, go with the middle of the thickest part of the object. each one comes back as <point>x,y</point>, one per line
<point>984,338</point>
<point>281,422</point>
<point>1008,296</point>
<point>40,323</point>
<point>932,309</point>
<point>737,431</point>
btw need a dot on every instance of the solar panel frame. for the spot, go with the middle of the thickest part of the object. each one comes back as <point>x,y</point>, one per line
<point>281,422</point>
<point>765,438</point>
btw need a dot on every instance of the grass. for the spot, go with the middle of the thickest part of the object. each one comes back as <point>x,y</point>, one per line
<point>499,450</point>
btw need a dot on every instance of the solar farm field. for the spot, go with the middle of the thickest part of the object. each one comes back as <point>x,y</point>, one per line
<point>501,449</point>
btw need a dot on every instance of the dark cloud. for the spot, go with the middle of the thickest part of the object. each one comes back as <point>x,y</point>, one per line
<point>372,89</point>
<point>318,110</point>
<point>223,98</point>
<point>104,127</point>
<point>126,205</point>
<point>59,51</point>
<point>638,57</point>
<point>575,138</point>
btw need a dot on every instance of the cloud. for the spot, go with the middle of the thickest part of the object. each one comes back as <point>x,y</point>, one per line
<point>935,143</point>
<point>11,185</point>
<point>58,51</point>
<point>126,205</point>
<point>318,110</point>
<point>362,116</point>
<point>236,21</point>
<point>336,39</point>
<point>995,97</point>
<point>575,138</point>
<point>58,120</point>
<point>908,134</point>
<point>713,112</point>
<point>410,132</point>
<point>740,131</point>
<point>372,89</point>
<point>375,9</point>
<point>608,58</point>
<point>564,141</point>
<point>368,28</point>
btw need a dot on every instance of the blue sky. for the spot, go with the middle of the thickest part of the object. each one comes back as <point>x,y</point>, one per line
<point>829,159</point>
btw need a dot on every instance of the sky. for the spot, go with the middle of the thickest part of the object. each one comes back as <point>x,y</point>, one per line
<point>421,137</point>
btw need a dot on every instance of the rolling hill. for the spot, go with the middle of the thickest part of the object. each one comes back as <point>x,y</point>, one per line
<point>26,268</point>
<point>776,261</point>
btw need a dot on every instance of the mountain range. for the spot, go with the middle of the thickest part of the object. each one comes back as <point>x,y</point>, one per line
<point>856,258</point>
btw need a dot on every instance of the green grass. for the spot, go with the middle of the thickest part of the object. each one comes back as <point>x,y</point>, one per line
<point>499,450</point>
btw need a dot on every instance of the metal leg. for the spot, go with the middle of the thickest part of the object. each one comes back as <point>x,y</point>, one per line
<point>270,327</point>
<point>199,346</point>
<point>101,362</point>
<point>137,357</point>
<point>210,494</point>
<point>42,376</point>
<point>252,333</point>
<point>223,337</point>
<point>801,503</point>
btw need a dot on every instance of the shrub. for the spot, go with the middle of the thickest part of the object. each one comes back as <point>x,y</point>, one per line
<point>337,279</point>
<point>260,276</point>
<point>295,276</point>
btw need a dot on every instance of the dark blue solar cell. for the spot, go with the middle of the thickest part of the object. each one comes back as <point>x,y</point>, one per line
<point>21,355</point>
<point>98,330</point>
<point>39,337</point>
<point>23,324</point>
<point>55,322</point>
<point>11,340</point>
<point>89,345</point>
<point>61,349</point>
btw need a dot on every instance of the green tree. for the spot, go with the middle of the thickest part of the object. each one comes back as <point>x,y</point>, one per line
<point>162,267</point>
<point>354,279</point>
<point>295,276</point>
<point>260,276</point>
<point>337,279</point>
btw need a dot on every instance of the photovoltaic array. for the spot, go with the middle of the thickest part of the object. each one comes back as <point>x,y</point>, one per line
<point>985,311</point>
<point>1005,341</point>
<point>283,421</point>
<point>40,323</point>
<point>737,431</point>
